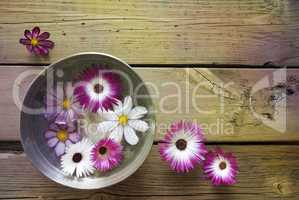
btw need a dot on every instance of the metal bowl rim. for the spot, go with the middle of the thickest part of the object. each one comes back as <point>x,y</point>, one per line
<point>139,159</point>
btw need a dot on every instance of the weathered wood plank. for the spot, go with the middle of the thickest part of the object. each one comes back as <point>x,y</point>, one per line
<point>195,94</point>
<point>228,32</point>
<point>266,172</point>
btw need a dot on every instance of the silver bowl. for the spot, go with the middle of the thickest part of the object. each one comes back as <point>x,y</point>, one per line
<point>33,125</point>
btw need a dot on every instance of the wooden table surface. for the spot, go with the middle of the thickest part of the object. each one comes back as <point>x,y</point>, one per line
<point>217,41</point>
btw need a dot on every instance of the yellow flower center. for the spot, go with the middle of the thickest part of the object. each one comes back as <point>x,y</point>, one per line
<point>34,42</point>
<point>123,119</point>
<point>62,135</point>
<point>66,104</point>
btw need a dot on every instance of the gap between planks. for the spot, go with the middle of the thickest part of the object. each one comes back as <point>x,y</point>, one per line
<point>266,65</point>
<point>16,146</point>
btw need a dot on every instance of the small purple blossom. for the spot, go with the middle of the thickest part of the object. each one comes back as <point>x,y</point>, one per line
<point>98,89</point>
<point>59,137</point>
<point>106,154</point>
<point>37,42</point>
<point>221,167</point>
<point>61,106</point>
<point>183,146</point>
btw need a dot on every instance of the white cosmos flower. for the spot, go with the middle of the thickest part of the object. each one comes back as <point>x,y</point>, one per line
<point>77,159</point>
<point>124,121</point>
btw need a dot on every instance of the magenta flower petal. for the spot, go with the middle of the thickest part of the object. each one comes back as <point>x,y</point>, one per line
<point>220,167</point>
<point>182,147</point>
<point>25,41</point>
<point>28,34</point>
<point>39,50</point>
<point>46,43</point>
<point>43,36</point>
<point>35,32</point>
<point>29,48</point>
<point>106,154</point>
<point>98,89</point>
<point>36,50</point>
<point>43,50</point>
<point>37,43</point>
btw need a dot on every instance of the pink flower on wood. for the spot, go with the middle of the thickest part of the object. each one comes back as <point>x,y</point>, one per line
<point>37,42</point>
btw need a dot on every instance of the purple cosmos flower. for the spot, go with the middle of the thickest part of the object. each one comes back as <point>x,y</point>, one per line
<point>98,89</point>
<point>182,146</point>
<point>221,167</point>
<point>106,154</point>
<point>37,43</point>
<point>59,137</point>
<point>61,106</point>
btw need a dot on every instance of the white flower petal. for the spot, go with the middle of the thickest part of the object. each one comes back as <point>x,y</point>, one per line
<point>68,168</point>
<point>51,100</point>
<point>117,133</point>
<point>90,130</point>
<point>139,125</point>
<point>81,168</point>
<point>137,112</point>
<point>107,126</point>
<point>59,92</point>
<point>118,108</point>
<point>127,105</point>
<point>68,143</point>
<point>68,89</point>
<point>130,135</point>
<point>108,115</point>
<point>79,172</point>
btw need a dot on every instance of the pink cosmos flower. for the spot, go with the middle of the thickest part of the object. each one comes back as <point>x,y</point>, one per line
<point>37,43</point>
<point>59,137</point>
<point>183,147</point>
<point>98,89</point>
<point>221,167</point>
<point>106,154</point>
<point>61,106</point>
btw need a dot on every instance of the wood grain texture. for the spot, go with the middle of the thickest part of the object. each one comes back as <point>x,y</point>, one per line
<point>222,32</point>
<point>266,172</point>
<point>218,99</point>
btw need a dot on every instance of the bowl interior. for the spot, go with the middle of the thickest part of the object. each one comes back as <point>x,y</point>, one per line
<point>33,124</point>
